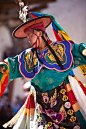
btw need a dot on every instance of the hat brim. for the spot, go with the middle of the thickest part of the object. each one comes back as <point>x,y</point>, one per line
<point>19,31</point>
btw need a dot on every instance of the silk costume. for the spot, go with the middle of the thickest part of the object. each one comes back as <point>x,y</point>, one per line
<point>53,90</point>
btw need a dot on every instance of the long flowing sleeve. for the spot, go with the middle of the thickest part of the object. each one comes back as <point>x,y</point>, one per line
<point>10,73</point>
<point>83,67</point>
<point>23,65</point>
<point>14,71</point>
<point>78,57</point>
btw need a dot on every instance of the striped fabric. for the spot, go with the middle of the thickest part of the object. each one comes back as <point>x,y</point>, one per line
<point>83,69</point>
<point>77,102</point>
<point>22,119</point>
<point>4,77</point>
<point>81,85</point>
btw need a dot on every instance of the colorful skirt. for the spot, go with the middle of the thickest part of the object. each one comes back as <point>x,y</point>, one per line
<point>55,111</point>
<point>61,108</point>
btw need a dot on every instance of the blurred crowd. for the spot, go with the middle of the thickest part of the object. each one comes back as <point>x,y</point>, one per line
<point>7,111</point>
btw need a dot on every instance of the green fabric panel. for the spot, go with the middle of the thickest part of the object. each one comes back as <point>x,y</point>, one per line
<point>1,75</point>
<point>14,68</point>
<point>82,47</point>
<point>48,79</point>
<point>81,119</point>
<point>78,58</point>
<point>66,80</point>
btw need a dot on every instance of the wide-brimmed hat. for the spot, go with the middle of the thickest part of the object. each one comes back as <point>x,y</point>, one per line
<point>34,18</point>
<point>19,31</point>
<point>29,21</point>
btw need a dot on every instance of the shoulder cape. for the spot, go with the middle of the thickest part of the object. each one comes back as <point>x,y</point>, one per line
<point>30,68</point>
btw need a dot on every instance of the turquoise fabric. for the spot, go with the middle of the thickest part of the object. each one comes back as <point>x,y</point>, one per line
<point>81,119</point>
<point>1,75</point>
<point>48,79</point>
<point>13,68</point>
<point>78,58</point>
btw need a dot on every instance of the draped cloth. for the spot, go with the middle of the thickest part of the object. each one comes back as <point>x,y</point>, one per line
<point>75,92</point>
<point>78,92</point>
<point>22,119</point>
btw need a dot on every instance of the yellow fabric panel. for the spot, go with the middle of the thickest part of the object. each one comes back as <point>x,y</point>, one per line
<point>64,35</point>
<point>3,77</point>
<point>83,69</point>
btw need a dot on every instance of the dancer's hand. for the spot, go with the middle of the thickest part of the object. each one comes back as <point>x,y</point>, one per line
<point>2,67</point>
<point>84,52</point>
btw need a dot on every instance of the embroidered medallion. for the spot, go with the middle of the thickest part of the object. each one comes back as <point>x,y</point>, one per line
<point>40,127</point>
<point>76,127</point>
<point>29,64</point>
<point>62,50</point>
<point>67,104</point>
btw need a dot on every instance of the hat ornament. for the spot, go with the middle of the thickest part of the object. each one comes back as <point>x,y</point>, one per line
<point>24,13</point>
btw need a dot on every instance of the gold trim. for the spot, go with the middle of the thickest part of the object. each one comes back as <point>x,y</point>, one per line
<point>83,69</point>
<point>32,111</point>
<point>68,87</point>
<point>76,107</point>
<point>0,86</point>
<point>27,112</point>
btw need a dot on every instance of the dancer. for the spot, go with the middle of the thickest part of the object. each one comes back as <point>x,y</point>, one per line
<point>49,66</point>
